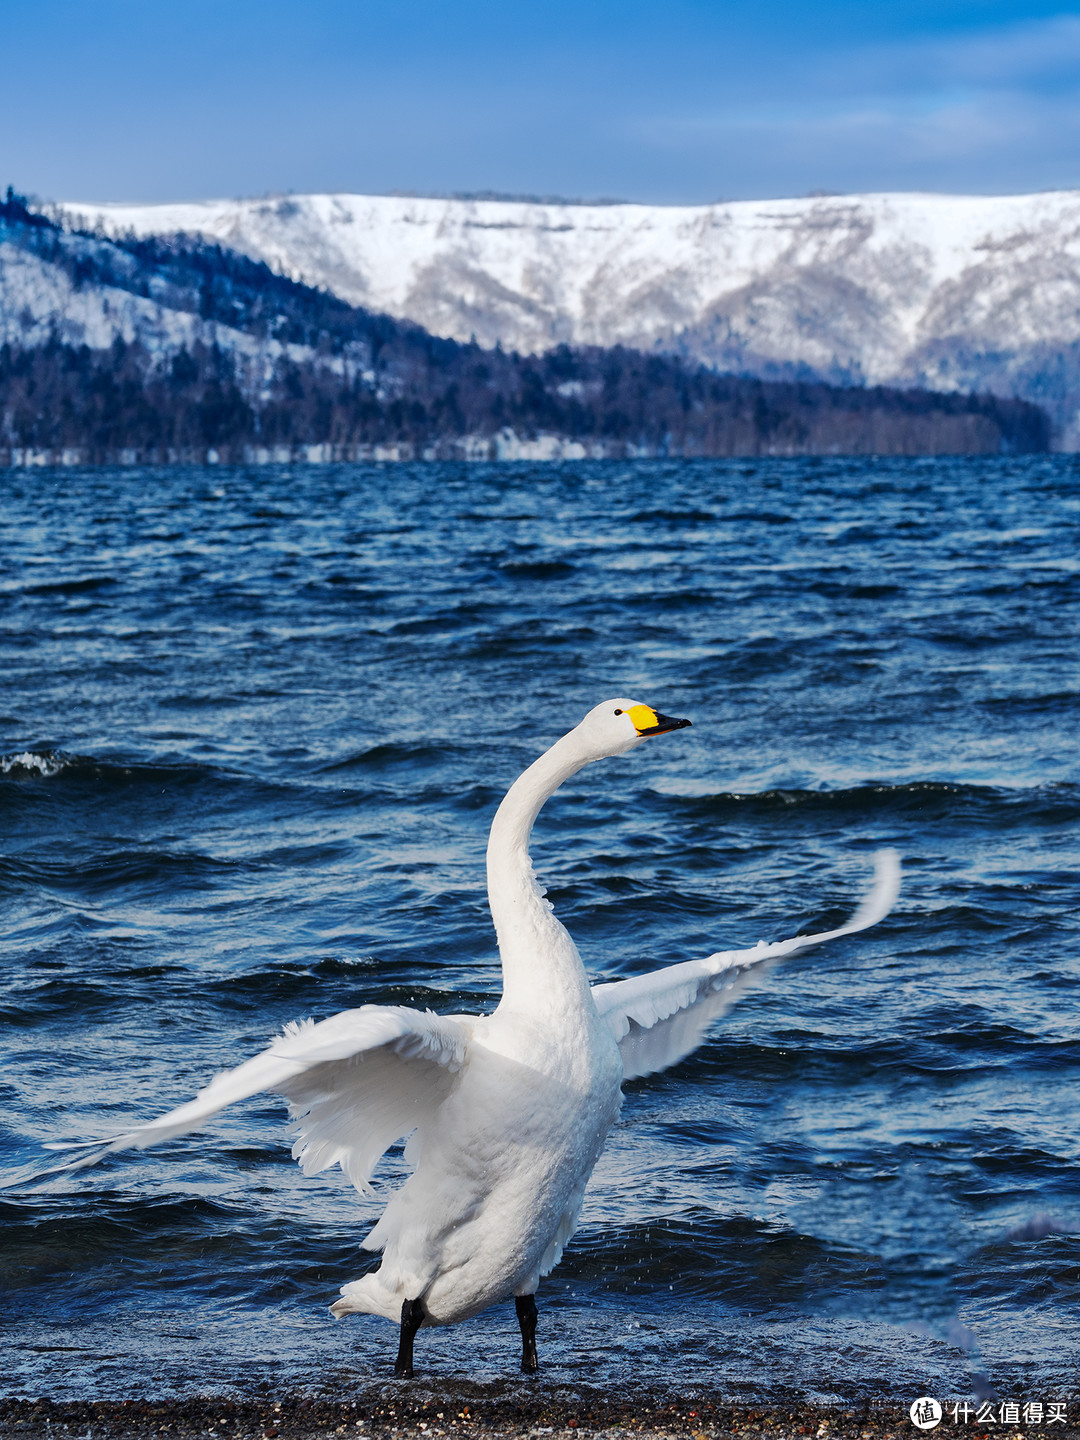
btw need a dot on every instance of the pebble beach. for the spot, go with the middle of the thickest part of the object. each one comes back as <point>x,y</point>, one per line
<point>510,1409</point>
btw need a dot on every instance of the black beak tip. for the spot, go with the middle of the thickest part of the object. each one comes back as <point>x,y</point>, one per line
<point>664,723</point>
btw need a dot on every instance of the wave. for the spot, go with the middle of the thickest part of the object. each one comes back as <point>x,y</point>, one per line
<point>86,586</point>
<point>674,517</point>
<point>49,762</point>
<point>537,569</point>
<point>737,1260</point>
<point>195,1244</point>
<point>387,757</point>
<point>29,762</point>
<point>924,800</point>
<point>121,868</point>
<point>91,776</point>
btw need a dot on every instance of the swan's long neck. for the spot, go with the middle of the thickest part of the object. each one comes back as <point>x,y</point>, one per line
<point>540,962</point>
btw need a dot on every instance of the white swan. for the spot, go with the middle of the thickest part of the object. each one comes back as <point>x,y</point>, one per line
<point>508,1111</point>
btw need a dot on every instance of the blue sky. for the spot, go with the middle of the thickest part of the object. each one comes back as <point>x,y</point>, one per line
<point>676,102</point>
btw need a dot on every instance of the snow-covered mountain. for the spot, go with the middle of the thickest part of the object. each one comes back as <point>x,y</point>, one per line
<point>176,347</point>
<point>954,292</point>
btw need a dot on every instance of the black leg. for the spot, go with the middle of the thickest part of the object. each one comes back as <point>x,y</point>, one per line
<point>526,1313</point>
<point>412,1317</point>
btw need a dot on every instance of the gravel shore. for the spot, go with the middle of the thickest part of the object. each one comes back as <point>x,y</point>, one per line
<point>464,1411</point>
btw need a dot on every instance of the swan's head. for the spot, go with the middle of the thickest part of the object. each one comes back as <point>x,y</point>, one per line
<point>618,725</point>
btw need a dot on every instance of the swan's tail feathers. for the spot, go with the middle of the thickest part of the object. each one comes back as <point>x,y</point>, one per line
<point>659,1018</point>
<point>369,1296</point>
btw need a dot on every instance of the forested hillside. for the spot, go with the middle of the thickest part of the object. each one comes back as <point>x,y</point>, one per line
<point>212,353</point>
<point>943,292</point>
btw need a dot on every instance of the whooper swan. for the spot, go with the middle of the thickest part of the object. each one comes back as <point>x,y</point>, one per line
<point>508,1112</point>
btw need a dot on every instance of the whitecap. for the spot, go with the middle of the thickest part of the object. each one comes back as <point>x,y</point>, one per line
<point>47,765</point>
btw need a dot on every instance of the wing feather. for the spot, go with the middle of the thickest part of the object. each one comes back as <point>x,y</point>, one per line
<point>355,1083</point>
<point>659,1018</point>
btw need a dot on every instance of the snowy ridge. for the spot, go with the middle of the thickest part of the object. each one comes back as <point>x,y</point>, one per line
<point>39,300</point>
<point>954,292</point>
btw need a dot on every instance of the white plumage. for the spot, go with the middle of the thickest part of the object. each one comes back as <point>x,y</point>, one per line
<point>507,1112</point>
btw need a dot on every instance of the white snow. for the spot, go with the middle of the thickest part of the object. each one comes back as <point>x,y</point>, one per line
<point>857,284</point>
<point>38,299</point>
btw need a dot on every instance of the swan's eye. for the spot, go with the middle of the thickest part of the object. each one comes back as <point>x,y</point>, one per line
<point>618,712</point>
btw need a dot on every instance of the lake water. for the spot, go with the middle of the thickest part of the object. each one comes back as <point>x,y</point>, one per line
<point>255,724</point>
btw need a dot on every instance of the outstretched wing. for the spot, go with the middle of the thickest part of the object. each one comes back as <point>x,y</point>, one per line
<point>355,1083</point>
<point>659,1018</point>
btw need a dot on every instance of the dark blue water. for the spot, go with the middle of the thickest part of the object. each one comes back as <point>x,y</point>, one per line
<point>255,725</point>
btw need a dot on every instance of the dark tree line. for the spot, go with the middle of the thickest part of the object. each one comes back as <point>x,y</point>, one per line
<point>618,402</point>
<point>367,380</point>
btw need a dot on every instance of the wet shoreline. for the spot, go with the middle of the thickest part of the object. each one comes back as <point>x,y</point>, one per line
<point>510,1409</point>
